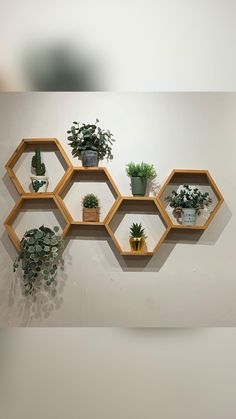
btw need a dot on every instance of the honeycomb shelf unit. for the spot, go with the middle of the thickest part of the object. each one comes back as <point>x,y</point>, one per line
<point>144,205</point>
<point>28,144</point>
<point>24,199</point>
<point>197,178</point>
<point>80,174</point>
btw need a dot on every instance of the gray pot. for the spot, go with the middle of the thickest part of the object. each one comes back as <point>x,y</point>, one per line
<point>189,216</point>
<point>89,158</point>
<point>138,185</point>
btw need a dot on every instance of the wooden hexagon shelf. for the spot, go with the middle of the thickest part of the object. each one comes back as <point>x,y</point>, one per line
<point>143,205</point>
<point>199,178</point>
<point>36,198</point>
<point>91,174</point>
<point>52,144</point>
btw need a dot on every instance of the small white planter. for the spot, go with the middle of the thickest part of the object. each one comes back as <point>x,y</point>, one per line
<point>189,216</point>
<point>39,183</point>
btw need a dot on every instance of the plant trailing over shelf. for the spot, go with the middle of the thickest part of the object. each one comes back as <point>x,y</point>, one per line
<point>187,203</point>
<point>38,257</point>
<point>90,208</point>
<point>90,143</point>
<point>39,180</point>
<point>139,173</point>
<point>137,237</point>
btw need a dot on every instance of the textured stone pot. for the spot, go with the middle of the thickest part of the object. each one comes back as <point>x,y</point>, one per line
<point>89,158</point>
<point>91,215</point>
<point>39,183</point>
<point>189,216</point>
<point>137,244</point>
<point>138,185</point>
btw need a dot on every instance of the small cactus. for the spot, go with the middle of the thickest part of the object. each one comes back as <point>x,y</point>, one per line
<point>90,201</point>
<point>37,164</point>
<point>137,231</point>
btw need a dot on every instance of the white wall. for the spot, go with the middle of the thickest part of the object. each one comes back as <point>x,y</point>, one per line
<point>191,281</point>
<point>117,373</point>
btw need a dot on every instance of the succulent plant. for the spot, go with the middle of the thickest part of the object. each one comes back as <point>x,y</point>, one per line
<point>37,164</point>
<point>189,198</point>
<point>40,250</point>
<point>137,231</point>
<point>144,170</point>
<point>84,137</point>
<point>90,201</point>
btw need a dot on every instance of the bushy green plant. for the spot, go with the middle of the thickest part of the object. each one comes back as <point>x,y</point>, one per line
<point>189,198</point>
<point>40,250</point>
<point>37,164</point>
<point>90,201</point>
<point>90,137</point>
<point>137,231</point>
<point>144,170</point>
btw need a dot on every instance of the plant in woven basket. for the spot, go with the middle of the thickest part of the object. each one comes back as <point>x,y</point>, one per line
<point>90,208</point>
<point>137,237</point>
<point>39,257</point>
<point>90,143</point>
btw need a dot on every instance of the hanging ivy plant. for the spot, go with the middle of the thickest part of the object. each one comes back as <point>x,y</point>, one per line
<point>39,257</point>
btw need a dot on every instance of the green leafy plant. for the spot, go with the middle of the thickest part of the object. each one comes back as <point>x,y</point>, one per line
<point>137,231</point>
<point>189,198</point>
<point>38,257</point>
<point>90,137</point>
<point>90,201</point>
<point>37,164</point>
<point>144,170</point>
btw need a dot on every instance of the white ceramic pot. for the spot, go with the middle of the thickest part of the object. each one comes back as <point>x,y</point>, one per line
<point>39,183</point>
<point>189,216</point>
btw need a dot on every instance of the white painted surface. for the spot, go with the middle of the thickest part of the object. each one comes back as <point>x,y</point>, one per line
<point>189,282</point>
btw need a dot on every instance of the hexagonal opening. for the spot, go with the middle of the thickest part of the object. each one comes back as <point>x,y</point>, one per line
<point>56,164</point>
<point>199,179</point>
<point>83,182</point>
<point>32,213</point>
<point>144,211</point>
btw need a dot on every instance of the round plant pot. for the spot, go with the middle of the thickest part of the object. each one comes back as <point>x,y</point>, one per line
<point>39,183</point>
<point>89,158</point>
<point>138,186</point>
<point>136,244</point>
<point>189,216</point>
<point>91,215</point>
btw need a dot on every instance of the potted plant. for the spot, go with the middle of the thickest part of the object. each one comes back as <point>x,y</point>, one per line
<point>139,174</point>
<point>137,237</point>
<point>39,180</point>
<point>90,143</point>
<point>90,208</point>
<point>187,203</point>
<point>38,257</point>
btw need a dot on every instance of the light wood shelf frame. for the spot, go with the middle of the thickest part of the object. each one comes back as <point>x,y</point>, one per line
<point>95,172</point>
<point>17,208</point>
<point>139,200</point>
<point>22,148</point>
<point>191,173</point>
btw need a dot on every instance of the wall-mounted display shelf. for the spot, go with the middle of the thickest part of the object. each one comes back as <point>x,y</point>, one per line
<point>28,146</point>
<point>145,210</point>
<point>37,201</point>
<point>80,181</point>
<point>117,212</point>
<point>194,178</point>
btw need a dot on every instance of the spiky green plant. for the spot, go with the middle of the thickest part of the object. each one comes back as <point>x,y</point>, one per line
<point>137,231</point>
<point>144,170</point>
<point>90,201</point>
<point>188,197</point>
<point>37,164</point>
<point>84,137</point>
<point>39,257</point>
